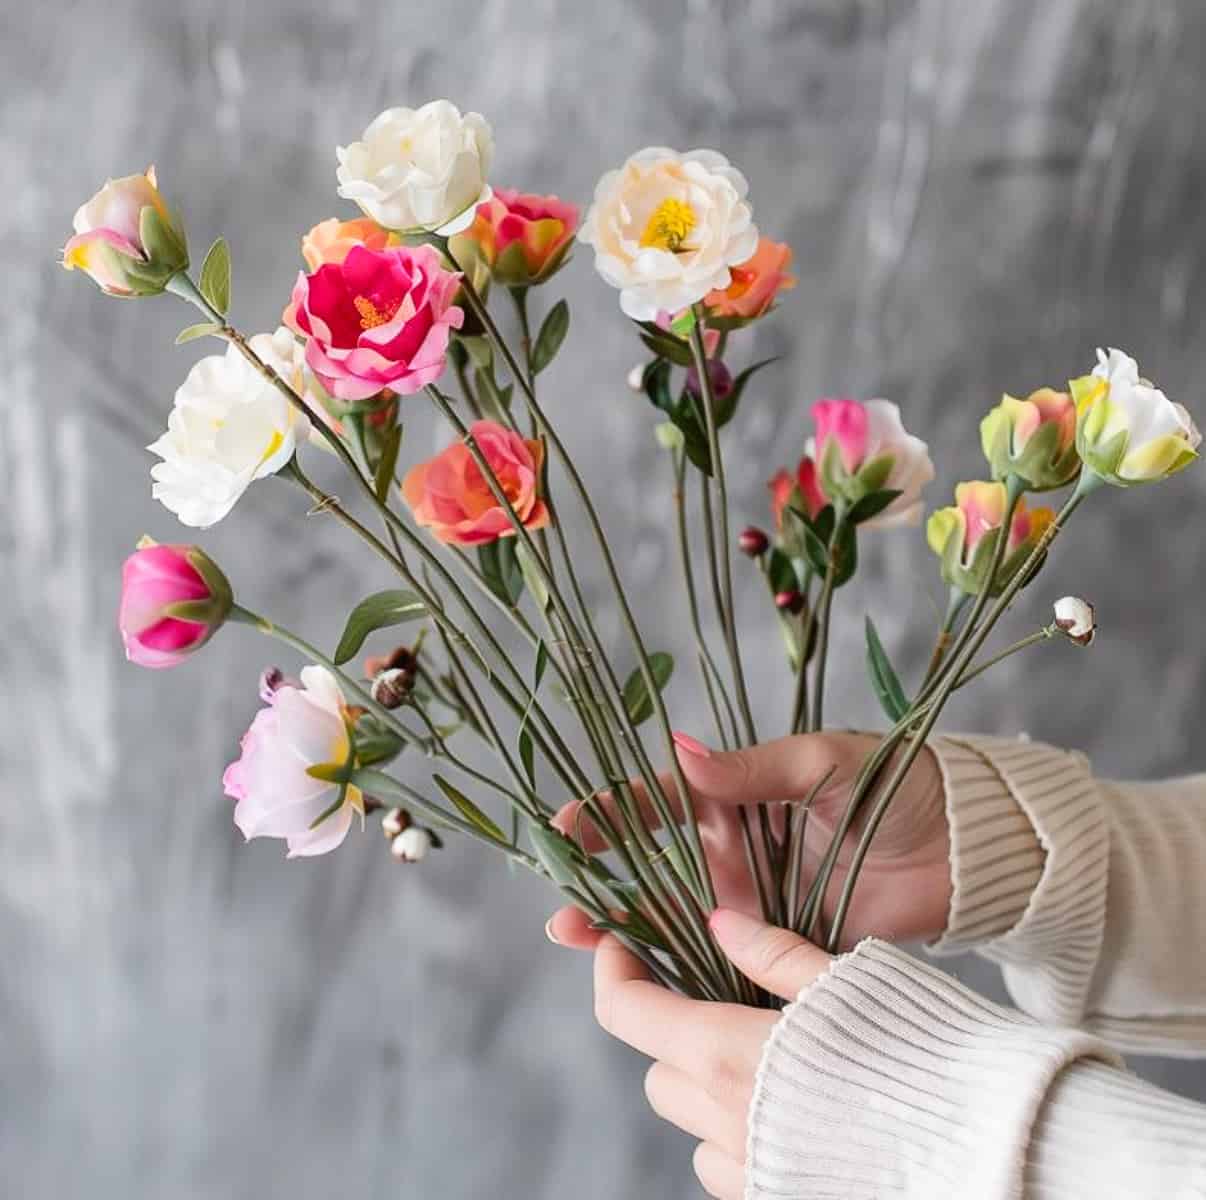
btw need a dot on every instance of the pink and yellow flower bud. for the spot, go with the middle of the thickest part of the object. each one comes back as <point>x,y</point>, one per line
<point>754,285</point>
<point>863,448</point>
<point>520,238</point>
<point>1127,430</point>
<point>1034,439</point>
<point>126,239</point>
<point>173,600</point>
<point>965,536</point>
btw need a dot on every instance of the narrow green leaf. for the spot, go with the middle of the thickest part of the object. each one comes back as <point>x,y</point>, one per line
<point>378,611</point>
<point>333,808</point>
<point>542,662</point>
<point>552,333</point>
<point>871,505</point>
<point>665,345</point>
<point>215,276</point>
<point>815,549</point>
<point>501,569</point>
<point>532,575</point>
<point>469,810</point>
<point>527,755</point>
<point>200,330</point>
<point>387,463</point>
<point>637,701</point>
<point>884,679</point>
<point>479,349</point>
<point>329,772</point>
<point>781,572</point>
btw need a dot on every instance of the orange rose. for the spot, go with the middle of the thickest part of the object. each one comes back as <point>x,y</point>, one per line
<point>450,495</point>
<point>330,240</point>
<point>755,283</point>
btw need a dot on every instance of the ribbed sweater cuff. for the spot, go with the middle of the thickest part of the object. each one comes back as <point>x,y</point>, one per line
<point>1103,1133</point>
<point>1029,862</point>
<point>888,1078</point>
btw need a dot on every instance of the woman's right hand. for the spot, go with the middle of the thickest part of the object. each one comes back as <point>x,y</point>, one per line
<point>904,890</point>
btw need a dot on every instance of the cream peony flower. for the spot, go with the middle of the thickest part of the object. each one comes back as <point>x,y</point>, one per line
<point>666,228</point>
<point>420,169</point>
<point>228,427</point>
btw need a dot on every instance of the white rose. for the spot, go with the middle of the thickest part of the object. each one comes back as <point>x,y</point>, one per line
<point>666,228</point>
<point>420,168</point>
<point>228,427</point>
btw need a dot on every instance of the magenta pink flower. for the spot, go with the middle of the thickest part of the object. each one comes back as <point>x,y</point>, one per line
<point>173,600</point>
<point>305,725</point>
<point>378,319</point>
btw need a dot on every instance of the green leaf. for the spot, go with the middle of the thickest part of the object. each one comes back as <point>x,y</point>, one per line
<point>200,330</point>
<point>469,810</point>
<point>845,553</point>
<point>375,744</point>
<point>683,323</point>
<point>816,550</point>
<point>527,755</point>
<point>656,382</point>
<point>330,772</point>
<point>495,398</point>
<point>781,572</point>
<point>383,478</point>
<point>479,349</point>
<point>501,569</point>
<point>726,408</point>
<point>532,575</point>
<point>871,505</point>
<point>666,345</point>
<point>558,855</point>
<point>542,662</point>
<point>637,701</point>
<point>378,611</point>
<point>884,679</point>
<point>552,334</point>
<point>215,276</point>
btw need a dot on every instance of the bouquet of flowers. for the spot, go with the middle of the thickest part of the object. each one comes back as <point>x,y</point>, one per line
<point>393,309</point>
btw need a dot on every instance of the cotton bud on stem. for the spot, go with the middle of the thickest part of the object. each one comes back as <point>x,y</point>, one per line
<point>411,845</point>
<point>392,687</point>
<point>636,378</point>
<point>1075,620</point>
<point>394,822</point>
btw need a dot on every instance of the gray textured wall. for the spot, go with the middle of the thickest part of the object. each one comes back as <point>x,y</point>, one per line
<point>977,193</point>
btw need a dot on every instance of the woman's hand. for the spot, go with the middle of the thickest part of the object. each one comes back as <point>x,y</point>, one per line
<point>904,890</point>
<point>705,1054</point>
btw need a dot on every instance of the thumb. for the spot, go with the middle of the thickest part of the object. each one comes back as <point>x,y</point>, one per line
<point>775,959</point>
<point>773,772</point>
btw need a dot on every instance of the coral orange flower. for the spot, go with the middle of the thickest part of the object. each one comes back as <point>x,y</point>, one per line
<point>450,495</point>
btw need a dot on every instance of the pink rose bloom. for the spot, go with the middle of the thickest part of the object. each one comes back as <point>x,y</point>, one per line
<point>303,726</point>
<point>872,446</point>
<point>755,283</point>
<point>379,319</point>
<point>450,494</point>
<point>521,237</point>
<point>173,600</point>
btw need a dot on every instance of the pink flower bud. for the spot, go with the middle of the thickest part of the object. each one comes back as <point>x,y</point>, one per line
<point>173,600</point>
<point>790,601</point>
<point>720,375</point>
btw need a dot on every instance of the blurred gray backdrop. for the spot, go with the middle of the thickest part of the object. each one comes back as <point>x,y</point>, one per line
<point>978,194</point>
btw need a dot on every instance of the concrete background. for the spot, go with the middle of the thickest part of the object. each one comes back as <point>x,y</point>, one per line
<point>977,194</point>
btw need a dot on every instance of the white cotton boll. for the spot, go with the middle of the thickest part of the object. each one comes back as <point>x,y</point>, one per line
<point>411,845</point>
<point>1075,619</point>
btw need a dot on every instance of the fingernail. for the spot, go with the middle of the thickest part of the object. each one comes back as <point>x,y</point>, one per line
<point>548,932</point>
<point>684,741</point>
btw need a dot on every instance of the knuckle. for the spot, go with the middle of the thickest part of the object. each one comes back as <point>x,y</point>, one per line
<point>702,1165</point>
<point>774,950</point>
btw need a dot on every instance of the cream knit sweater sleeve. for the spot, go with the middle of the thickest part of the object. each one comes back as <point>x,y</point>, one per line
<point>886,1078</point>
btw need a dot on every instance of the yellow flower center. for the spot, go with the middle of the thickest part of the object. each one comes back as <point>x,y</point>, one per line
<point>370,315</point>
<point>669,225</point>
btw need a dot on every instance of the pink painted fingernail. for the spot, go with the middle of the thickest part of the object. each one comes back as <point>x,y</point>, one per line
<point>684,741</point>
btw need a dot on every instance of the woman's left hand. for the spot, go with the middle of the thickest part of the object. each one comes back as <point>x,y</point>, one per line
<point>705,1054</point>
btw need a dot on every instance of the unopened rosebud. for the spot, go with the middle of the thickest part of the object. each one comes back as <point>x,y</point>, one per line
<point>753,541</point>
<point>636,378</point>
<point>394,821</point>
<point>403,657</point>
<point>791,601</point>
<point>391,688</point>
<point>1074,618</point>
<point>720,376</point>
<point>411,845</point>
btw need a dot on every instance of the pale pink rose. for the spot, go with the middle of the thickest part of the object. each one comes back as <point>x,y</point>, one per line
<point>173,600</point>
<point>276,796</point>
<point>379,319</point>
<point>450,494</point>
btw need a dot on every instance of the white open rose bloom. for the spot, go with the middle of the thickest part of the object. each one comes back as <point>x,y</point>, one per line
<point>420,169</point>
<point>228,427</point>
<point>666,228</point>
